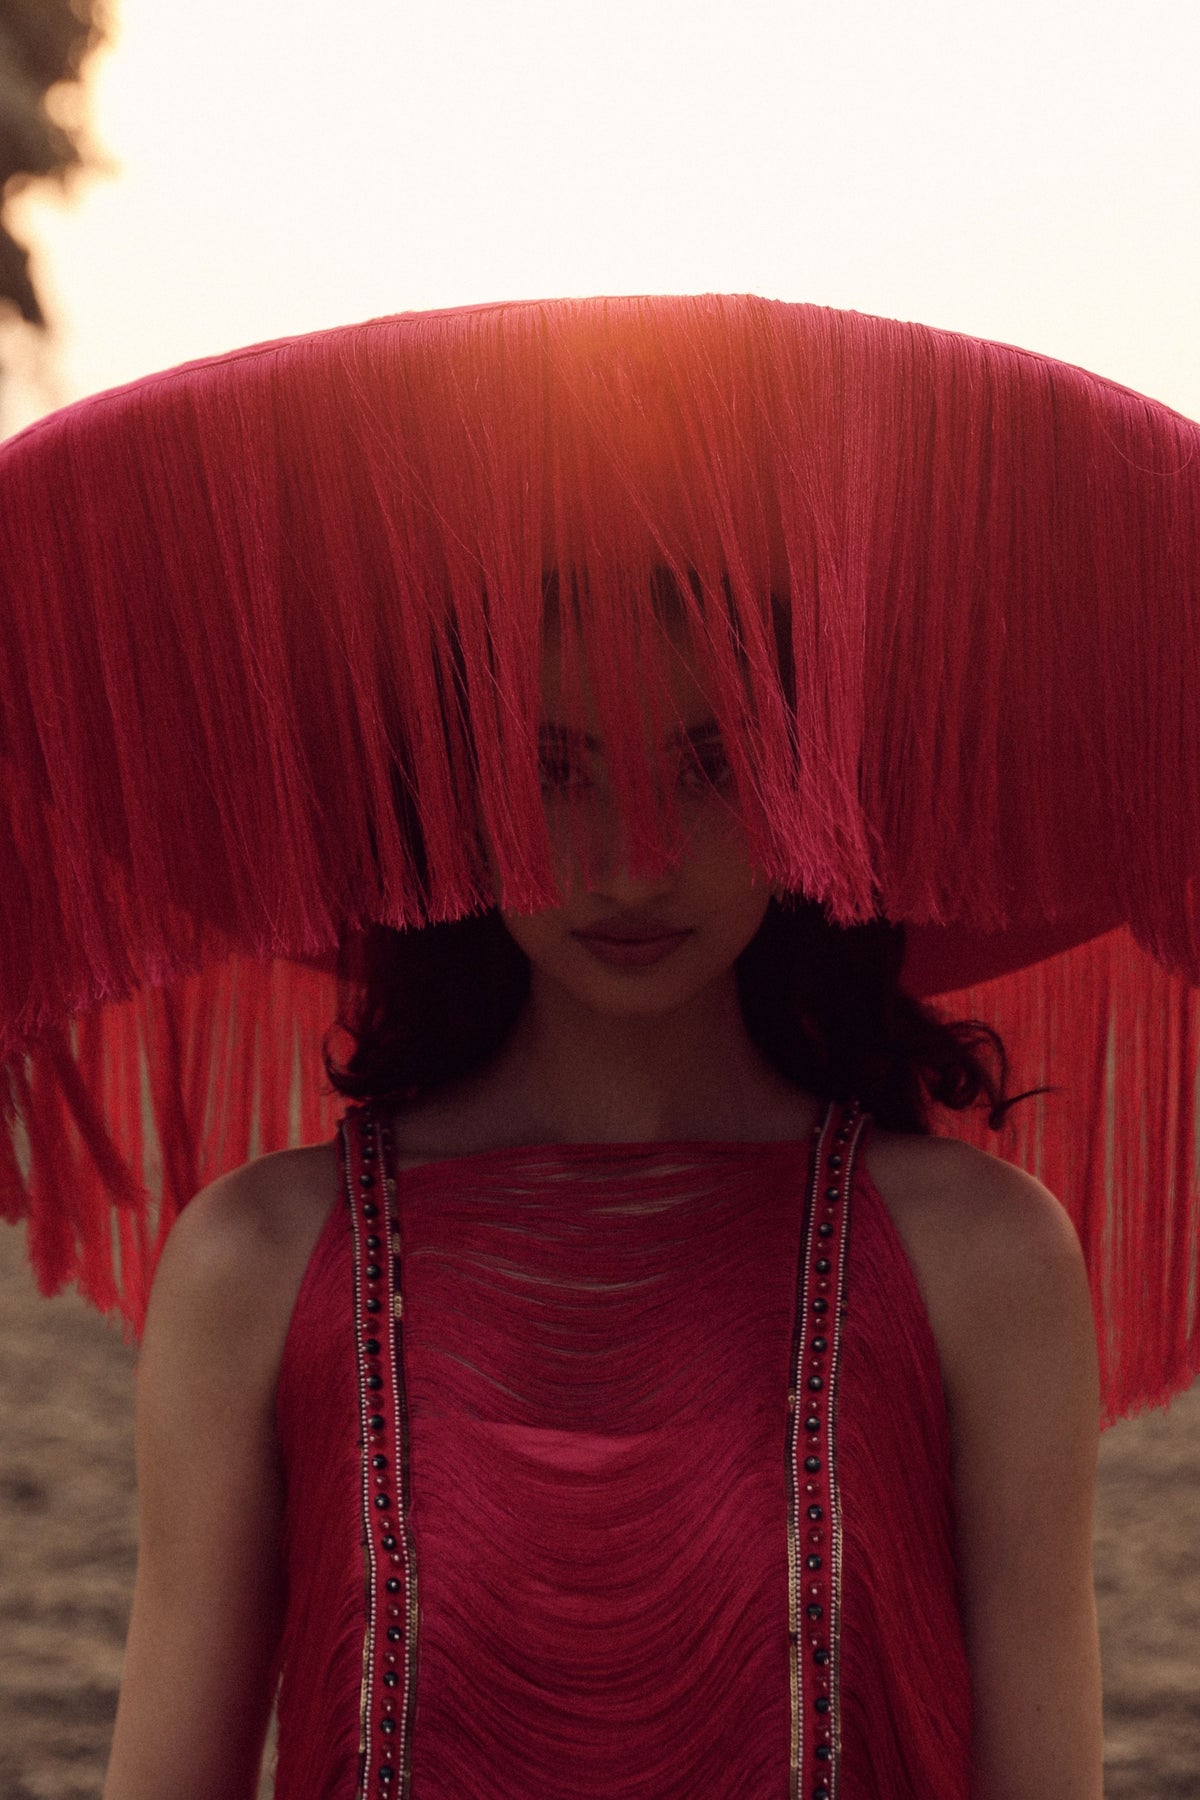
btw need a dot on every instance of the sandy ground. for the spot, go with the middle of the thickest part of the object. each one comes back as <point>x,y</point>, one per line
<point>67,1546</point>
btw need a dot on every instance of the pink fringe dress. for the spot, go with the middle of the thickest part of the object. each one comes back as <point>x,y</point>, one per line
<point>644,1494</point>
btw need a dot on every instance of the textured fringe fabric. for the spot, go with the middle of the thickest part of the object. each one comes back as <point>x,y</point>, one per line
<point>906,1688</point>
<point>272,627</point>
<point>1118,1038</point>
<point>597,1358</point>
<point>120,1117</point>
<point>318,1421</point>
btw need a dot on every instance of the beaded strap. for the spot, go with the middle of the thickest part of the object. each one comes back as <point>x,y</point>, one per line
<point>814,1511</point>
<point>389,1649</point>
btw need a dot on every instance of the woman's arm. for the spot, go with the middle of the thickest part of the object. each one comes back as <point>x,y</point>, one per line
<point>207,1610</point>
<point>1014,1324</point>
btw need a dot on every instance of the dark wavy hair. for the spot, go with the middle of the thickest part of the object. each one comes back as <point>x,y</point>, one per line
<point>822,1002</point>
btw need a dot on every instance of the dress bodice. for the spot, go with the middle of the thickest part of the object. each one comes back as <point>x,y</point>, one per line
<point>589,1358</point>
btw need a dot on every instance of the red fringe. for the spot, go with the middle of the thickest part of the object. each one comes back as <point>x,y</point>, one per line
<point>902,1633</point>
<point>1119,1037</point>
<point>244,600</point>
<point>320,1659</point>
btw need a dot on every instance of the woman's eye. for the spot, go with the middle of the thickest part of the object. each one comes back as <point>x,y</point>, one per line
<point>558,774</point>
<point>708,770</point>
<point>699,773</point>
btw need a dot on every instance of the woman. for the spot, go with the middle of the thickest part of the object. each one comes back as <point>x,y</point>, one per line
<point>637,1395</point>
<point>630,1056</point>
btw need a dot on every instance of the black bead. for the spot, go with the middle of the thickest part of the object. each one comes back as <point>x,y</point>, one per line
<point>387,1725</point>
<point>372,1346</point>
<point>820,1345</point>
<point>815,1383</point>
<point>373,1271</point>
<point>392,1585</point>
<point>389,1542</point>
<point>813,1563</point>
<point>378,1461</point>
<point>821,1657</point>
<point>823,1265</point>
<point>823,1753</point>
<point>374,1381</point>
<point>370,1210</point>
<point>833,1195</point>
<point>812,1423</point>
<point>820,1305</point>
<point>823,1703</point>
<point>376,1421</point>
<point>383,1501</point>
<point>394,1634</point>
<point>820,1793</point>
<point>824,1229</point>
<point>815,1513</point>
<point>374,1241</point>
<point>835,1161</point>
<point>391,1679</point>
<point>372,1305</point>
<point>814,1611</point>
<point>366,1179</point>
<point>812,1464</point>
<point>387,1774</point>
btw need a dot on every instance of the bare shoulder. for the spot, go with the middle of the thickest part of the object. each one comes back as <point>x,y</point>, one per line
<point>210,1591</point>
<point>988,1243</point>
<point>235,1257</point>
<point>271,1208</point>
<point>971,1202</point>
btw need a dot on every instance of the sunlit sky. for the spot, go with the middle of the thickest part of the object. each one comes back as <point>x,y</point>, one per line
<point>1027,171</point>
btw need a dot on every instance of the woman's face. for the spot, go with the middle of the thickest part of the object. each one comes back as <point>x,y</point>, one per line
<point>698,915</point>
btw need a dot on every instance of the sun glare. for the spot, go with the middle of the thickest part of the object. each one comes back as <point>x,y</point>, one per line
<point>279,168</point>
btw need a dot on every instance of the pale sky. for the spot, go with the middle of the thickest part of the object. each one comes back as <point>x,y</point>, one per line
<point>1028,171</point>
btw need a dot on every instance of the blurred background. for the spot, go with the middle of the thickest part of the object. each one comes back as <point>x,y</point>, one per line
<point>177,180</point>
<point>1026,172</point>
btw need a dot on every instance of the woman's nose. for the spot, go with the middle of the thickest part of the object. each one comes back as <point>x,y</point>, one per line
<point>608,868</point>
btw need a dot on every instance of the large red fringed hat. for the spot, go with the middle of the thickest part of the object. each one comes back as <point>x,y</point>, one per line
<point>249,605</point>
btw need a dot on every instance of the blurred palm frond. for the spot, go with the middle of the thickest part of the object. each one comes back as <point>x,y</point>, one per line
<point>44,45</point>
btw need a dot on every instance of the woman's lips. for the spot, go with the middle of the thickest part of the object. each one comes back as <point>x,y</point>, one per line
<point>631,953</point>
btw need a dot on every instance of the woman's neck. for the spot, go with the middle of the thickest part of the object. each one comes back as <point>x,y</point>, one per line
<point>573,1076</point>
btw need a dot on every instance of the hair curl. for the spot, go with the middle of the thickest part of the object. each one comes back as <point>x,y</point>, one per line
<point>822,1002</point>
